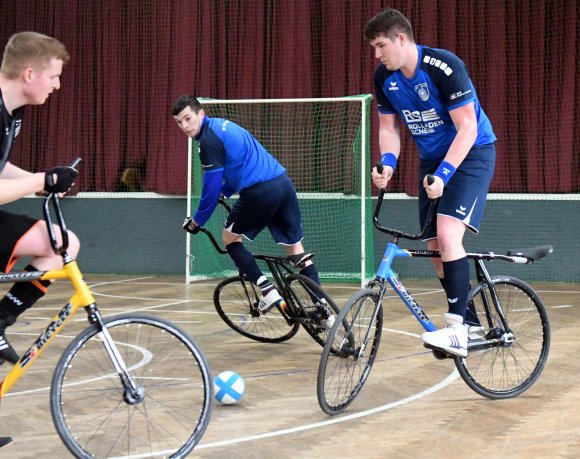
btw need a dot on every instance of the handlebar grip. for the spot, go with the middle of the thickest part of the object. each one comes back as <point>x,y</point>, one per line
<point>380,168</point>
<point>76,162</point>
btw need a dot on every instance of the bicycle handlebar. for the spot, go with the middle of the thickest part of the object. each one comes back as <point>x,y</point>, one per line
<point>208,233</point>
<point>526,256</point>
<point>397,233</point>
<point>55,199</point>
<point>213,241</point>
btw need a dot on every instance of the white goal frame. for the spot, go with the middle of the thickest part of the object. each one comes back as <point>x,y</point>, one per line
<point>364,168</point>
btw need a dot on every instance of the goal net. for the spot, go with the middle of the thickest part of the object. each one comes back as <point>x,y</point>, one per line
<point>324,145</point>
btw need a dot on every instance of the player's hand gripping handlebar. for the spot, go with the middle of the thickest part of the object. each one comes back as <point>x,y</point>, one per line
<point>396,233</point>
<point>55,200</point>
<point>207,232</point>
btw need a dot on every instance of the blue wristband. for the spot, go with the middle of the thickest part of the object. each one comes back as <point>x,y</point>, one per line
<point>389,159</point>
<point>445,171</point>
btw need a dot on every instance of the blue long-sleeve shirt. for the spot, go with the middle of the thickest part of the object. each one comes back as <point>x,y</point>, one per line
<point>232,159</point>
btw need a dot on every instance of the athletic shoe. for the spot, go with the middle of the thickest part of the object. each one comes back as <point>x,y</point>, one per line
<point>452,339</point>
<point>475,332</point>
<point>271,299</point>
<point>5,441</point>
<point>7,352</point>
<point>326,314</point>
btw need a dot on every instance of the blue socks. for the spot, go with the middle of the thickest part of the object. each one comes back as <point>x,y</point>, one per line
<point>311,272</point>
<point>456,274</point>
<point>244,261</point>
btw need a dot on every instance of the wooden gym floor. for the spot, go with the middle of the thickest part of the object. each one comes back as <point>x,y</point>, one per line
<point>412,406</point>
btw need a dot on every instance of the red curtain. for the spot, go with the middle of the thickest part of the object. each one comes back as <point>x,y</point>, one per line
<point>130,59</point>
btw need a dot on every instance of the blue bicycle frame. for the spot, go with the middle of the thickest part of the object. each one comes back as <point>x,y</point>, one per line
<point>385,272</point>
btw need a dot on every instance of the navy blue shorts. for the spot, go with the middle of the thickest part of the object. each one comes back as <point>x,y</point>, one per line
<point>465,195</point>
<point>273,205</point>
<point>12,228</point>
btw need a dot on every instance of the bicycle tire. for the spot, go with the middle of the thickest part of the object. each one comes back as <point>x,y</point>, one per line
<point>306,296</point>
<point>87,400</point>
<point>236,299</point>
<point>505,371</point>
<point>342,374</point>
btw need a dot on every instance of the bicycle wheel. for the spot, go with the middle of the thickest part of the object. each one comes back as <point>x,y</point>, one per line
<point>356,335</point>
<point>315,309</point>
<point>236,300</point>
<point>93,414</point>
<point>507,369</point>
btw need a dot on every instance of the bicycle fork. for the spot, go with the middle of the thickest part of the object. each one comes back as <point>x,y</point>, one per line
<point>358,353</point>
<point>133,393</point>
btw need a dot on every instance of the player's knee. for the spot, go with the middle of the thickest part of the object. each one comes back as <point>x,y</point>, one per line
<point>74,244</point>
<point>229,238</point>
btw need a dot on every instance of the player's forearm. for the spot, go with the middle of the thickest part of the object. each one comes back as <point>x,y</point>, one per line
<point>461,144</point>
<point>11,171</point>
<point>389,140</point>
<point>14,189</point>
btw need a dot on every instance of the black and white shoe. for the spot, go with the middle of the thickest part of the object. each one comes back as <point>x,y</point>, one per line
<point>7,352</point>
<point>5,441</point>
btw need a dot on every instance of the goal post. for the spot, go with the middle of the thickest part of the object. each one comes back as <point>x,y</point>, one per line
<point>324,145</point>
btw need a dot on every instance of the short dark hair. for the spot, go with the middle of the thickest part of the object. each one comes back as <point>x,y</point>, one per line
<point>389,23</point>
<point>183,102</point>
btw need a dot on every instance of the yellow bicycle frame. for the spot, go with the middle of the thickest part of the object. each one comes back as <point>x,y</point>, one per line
<point>81,298</point>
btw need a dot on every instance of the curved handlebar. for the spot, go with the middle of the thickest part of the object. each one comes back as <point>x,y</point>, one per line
<point>208,233</point>
<point>397,233</point>
<point>55,200</point>
<point>213,241</point>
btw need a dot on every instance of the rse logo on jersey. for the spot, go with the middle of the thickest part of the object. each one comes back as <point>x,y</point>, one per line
<point>394,86</point>
<point>439,64</point>
<point>226,122</point>
<point>421,123</point>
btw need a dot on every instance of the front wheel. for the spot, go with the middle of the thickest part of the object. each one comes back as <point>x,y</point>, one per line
<point>236,301</point>
<point>504,363</point>
<point>350,351</point>
<point>97,416</point>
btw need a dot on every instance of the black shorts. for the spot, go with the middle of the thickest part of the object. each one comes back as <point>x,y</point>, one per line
<point>273,205</point>
<point>12,228</point>
<point>465,195</point>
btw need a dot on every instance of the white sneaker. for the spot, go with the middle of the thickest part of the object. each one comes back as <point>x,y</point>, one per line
<point>272,299</point>
<point>328,322</point>
<point>475,332</point>
<point>452,339</point>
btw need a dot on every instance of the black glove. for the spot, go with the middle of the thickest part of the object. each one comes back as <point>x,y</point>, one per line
<point>59,179</point>
<point>190,226</point>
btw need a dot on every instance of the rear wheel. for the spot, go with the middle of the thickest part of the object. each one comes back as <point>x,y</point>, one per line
<point>516,357</point>
<point>313,307</point>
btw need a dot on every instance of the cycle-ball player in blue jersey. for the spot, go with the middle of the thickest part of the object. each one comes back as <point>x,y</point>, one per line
<point>431,92</point>
<point>31,67</point>
<point>234,161</point>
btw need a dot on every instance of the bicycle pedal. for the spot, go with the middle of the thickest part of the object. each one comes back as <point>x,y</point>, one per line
<point>438,353</point>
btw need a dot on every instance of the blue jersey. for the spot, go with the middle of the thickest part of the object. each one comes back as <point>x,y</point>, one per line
<point>441,83</point>
<point>232,159</point>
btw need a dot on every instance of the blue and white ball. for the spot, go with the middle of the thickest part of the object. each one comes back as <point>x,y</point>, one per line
<point>228,387</point>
